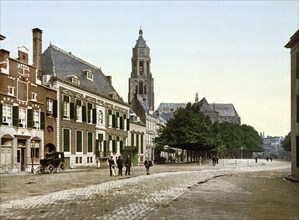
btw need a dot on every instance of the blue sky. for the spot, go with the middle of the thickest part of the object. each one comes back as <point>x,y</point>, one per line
<point>227,51</point>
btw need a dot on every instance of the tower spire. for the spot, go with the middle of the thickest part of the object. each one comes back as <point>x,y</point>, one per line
<point>196,97</point>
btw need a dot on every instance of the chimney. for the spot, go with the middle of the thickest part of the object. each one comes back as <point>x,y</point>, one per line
<point>109,79</point>
<point>37,48</point>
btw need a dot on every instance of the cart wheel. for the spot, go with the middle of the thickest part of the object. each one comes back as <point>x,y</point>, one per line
<point>37,170</point>
<point>42,170</point>
<point>51,168</point>
<point>61,167</point>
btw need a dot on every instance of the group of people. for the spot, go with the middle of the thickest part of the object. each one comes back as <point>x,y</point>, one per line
<point>119,165</point>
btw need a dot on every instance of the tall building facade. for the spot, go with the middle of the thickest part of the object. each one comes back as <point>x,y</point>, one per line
<point>293,44</point>
<point>141,93</point>
<point>141,81</point>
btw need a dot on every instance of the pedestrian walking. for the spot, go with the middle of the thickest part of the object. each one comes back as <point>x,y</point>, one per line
<point>119,163</point>
<point>147,165</point>
<point>256,159</point>
<point>128,165</point>
<point>200,160</point>
<point>111,166</point>
<point>214,160</point>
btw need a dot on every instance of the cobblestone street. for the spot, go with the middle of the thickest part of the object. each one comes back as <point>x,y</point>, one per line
<point>233,189</point>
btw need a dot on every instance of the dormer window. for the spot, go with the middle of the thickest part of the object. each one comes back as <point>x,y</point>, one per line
<point>113,95</point>
<point>74,80</point>
<point>88,74</point>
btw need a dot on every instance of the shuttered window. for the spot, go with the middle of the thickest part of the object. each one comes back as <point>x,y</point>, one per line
<point>55,108</point>
<point>132,140</point>
<point>29,118</point>
<point>66,140</point>
<point>90,141</point>
<point>15,116</point>
<point>79,141</point>
<point>42,120</point>
<point>141,151</point>
<point>84,113</point>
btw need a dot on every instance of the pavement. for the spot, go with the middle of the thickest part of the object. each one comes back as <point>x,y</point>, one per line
<point>233,189</point>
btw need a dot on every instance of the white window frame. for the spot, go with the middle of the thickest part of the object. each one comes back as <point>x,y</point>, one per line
<point>100,117</point>
<point>79,131</point>
<point>23,117</point>
<point>66,108</point>
<point>7,114</point>
<point>49,107</point>
<point>79,111</point>
<point>11,90</point>
<point>33,96</point>
<point>36,118</point>
<point>89,119</point>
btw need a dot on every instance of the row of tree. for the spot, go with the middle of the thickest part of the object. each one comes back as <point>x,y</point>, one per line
<point>191,130</point>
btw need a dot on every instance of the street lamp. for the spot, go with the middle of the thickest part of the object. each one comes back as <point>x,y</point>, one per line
<point>32,155</point>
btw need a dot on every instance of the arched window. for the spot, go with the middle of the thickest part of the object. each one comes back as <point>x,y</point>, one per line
<point>140,87</point>
<point>141,68</point>
<point>145,88</point>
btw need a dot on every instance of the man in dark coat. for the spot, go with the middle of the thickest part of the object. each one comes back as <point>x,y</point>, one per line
<point>128,165</point>
<point>120,165</point>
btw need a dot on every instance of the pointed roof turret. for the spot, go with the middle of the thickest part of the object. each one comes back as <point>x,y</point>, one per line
<point>141,42</point>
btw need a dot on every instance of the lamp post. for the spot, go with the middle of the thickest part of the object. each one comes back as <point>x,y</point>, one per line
<point>32,155</point>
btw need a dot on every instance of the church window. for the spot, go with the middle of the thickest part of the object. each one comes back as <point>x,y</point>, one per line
<point>140,87</point>
<point>144,89</point>
<point>141,68</point>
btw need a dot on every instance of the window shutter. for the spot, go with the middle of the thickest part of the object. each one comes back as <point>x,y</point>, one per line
<point>121,146</point>
<point>89,141</point>
<point>94,116</point>
<point>128,124</point>
<point>113,146</point>
<point>116,119</point>
<point>121,123</point>
<point>55,108</point>
<point>1,113</point>
<point>72,110</point>
<point>297,151</point>
<point>100,137</point>
<point>132,139</point>
<point>29,118</point>
<point>113,121</point>
<point>42,120</point>
<point>66,139</point>
<point>105,148</point>
<point>297,111</point>
<point>84,113</point>
<point>15,116</point>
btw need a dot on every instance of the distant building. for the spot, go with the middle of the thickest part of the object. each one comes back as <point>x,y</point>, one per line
<point>272,147</point>
<point>293,44</point>
<point>219,113</point>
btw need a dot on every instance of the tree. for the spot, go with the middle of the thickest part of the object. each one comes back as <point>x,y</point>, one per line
<point>286,144</point>
<point>189,129</point>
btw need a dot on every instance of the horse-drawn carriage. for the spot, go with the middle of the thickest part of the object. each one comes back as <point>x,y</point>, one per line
<point>53,162</point>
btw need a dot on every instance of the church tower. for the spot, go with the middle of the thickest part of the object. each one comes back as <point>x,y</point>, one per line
<point>141,82</point>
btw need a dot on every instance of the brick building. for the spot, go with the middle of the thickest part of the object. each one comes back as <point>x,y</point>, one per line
<point>23,110</point>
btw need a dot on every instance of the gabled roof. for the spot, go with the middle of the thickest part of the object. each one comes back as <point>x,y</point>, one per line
<point>62,64</point>
<point>204,106</point>
<point>225,109</point>
<point>141,43</point>
<point>170,106</point>
<point>293,40</point>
